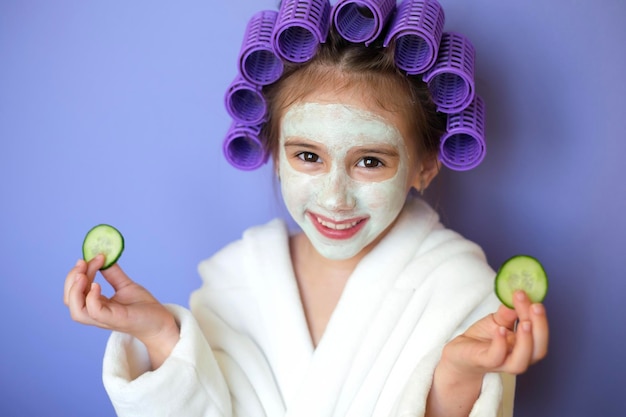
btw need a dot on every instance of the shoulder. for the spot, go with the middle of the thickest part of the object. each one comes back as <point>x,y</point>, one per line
<point>420,224</point>
<point>228,266</point>
<point>434,236</point>
<point>441,253</point>
<point>450,268</point>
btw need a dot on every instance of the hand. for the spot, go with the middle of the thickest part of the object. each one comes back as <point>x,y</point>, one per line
<point>492,344</point>
<point>496,344</point>
<point>132,309</point>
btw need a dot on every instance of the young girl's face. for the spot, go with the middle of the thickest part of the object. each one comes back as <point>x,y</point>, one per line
<point>345,170</point>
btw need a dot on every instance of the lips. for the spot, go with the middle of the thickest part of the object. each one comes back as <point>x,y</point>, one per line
<point>339,230</point>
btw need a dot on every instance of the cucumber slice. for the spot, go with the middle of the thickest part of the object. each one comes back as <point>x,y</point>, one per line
<point>521,272</point>
<point>104,239</point>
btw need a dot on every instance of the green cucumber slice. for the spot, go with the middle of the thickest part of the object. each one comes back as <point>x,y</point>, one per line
<point>521,272</point>
<point>103,239</point>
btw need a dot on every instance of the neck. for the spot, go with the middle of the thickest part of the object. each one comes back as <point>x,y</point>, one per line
<point>308,257</point>
<point>320,282</point>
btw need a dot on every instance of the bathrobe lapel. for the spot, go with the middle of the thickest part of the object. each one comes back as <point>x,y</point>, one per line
<point>361,323</point>
<point>325,381</point>
<point>286,342</point>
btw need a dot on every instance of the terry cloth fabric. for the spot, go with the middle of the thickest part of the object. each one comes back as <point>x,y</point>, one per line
<point>245,349</point>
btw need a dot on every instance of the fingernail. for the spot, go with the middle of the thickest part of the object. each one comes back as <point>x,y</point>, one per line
<point>78,262</point>
<point>537,309</point>
<point>502,330</point>
<point>520,295</point>
<point>76,277</point>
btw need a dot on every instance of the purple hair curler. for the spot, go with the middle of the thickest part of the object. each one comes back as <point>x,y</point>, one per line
<point>451,79</point>
<point>361,20</point>
<point>300,27</point>
<point>245,102</point>
<point>258,62</point>
<point>243,147</point>
<point>417,29</point>
<point>462,147</point>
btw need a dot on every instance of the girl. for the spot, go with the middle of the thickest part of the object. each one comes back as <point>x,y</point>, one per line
<point>372,309</point>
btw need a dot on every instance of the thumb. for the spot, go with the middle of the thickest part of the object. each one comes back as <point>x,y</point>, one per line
<point>116,276</point>
<point>505,317</point>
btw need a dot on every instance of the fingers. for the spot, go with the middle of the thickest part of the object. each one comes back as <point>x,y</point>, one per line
<point>505,317</point>
<point>508,317</point>
<point>541,331</point>
<point>86,303</point>
<point>78,286</point>
<point>521,356</point>
<point>93,266</point>
<point>79,268</point>
<point>531,336</point>
<point>522,305</point>
<point>498,349</point>
<point>76,299</point>
<point>536,315</point>
<point>82,268</point>
<point>96,306</point>
<point>84,297</point>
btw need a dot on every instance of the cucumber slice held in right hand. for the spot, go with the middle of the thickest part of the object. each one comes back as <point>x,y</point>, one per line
<point>103,239</point>
<point>521,272</point>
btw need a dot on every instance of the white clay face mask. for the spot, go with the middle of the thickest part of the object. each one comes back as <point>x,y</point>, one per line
<point>332,194</point>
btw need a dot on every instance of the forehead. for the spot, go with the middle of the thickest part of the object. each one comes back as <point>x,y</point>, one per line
<point>338,123</point>
<point>353,94</point>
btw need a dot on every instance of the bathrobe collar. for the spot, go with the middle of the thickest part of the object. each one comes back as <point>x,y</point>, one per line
<point>296,363</point>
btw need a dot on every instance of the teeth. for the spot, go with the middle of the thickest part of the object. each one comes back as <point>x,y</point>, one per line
<point>336,226</point>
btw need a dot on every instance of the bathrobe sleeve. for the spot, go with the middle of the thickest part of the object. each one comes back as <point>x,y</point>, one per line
<point>459,282</point>
<point>216,369</point>
<point>188,383</point>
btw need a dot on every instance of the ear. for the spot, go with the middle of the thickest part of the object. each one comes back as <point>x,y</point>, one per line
<point>428,170</point>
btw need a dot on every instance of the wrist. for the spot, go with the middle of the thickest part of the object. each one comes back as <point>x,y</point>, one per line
<point>161,344</point>
<point>453,390</point>
<point>447,375</point>
<point>454,372</point>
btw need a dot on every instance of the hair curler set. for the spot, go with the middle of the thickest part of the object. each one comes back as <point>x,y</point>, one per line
<point>444,60</point>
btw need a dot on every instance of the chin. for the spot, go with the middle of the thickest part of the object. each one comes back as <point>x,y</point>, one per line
<point>338,252</point>
<point>337,255</point>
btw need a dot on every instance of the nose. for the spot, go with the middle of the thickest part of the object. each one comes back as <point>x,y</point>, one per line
<point>336,192</point>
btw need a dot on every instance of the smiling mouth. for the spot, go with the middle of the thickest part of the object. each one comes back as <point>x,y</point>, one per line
<point>337,230</point>
<point>337,226</point>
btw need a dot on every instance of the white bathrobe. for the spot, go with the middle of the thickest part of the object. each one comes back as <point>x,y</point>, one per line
<point>245,349</point>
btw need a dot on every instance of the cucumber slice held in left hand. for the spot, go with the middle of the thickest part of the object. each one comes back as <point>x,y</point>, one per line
<point>521,272</point>
<point>103,239</point>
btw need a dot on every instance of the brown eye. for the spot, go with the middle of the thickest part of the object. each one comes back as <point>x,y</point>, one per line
<point>369,162</point>
<point>308,157</point>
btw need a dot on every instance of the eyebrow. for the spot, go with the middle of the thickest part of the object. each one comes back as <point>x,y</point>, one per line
<point>294,142</point>
<point>386,151</point>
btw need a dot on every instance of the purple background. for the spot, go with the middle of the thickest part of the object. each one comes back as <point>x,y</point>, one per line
<point>112,111</point>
